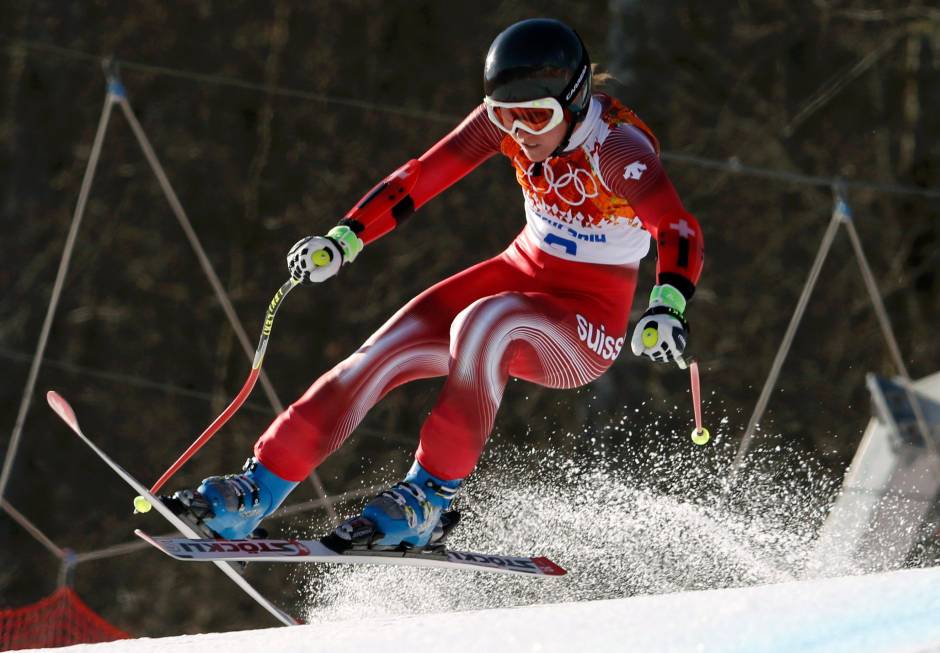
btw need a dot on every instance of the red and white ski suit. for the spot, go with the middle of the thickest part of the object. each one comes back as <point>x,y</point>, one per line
<point>551,309</point>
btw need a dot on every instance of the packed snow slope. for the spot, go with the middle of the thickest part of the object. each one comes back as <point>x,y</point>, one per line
<point>897,611</point>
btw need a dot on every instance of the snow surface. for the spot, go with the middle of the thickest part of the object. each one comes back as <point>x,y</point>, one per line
<point>661,557</point>
<point>897,611</point>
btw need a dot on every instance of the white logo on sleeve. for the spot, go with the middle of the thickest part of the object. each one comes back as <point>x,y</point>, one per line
<point>634,170</point>
<point>685,231</point>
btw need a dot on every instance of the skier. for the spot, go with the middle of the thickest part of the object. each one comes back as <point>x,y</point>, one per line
<point>551,309</point>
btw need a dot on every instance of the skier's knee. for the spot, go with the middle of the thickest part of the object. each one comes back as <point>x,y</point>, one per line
<point>482,318</point>
<point>482,332</point>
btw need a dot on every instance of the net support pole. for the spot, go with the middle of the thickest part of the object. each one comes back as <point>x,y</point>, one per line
<point>841,215</point>
<point>840,209</point>
<point>70,239</point>
<point>207,267</point>
<point>887,331</point>
<point>32,529</point>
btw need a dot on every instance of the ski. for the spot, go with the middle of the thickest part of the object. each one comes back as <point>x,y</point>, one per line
<point>269,550</point>
<point>64,411</point>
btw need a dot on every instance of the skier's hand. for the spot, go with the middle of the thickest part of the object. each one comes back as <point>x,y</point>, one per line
<point>662,332</point>
<point>317,258</point>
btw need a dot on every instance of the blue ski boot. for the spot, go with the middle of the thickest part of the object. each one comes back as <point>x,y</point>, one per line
<point>232,506</point>
<point>411,515</point>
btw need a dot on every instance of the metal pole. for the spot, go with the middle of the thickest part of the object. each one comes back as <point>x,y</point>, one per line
<point>838,210</point>
<point>32,529</point>
<point>206,264</point>
<point>888,332</point>
<point>56,291</point>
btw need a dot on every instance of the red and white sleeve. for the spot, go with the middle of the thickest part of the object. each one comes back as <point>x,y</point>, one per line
<point>632,170</point>
<point>398,196</point>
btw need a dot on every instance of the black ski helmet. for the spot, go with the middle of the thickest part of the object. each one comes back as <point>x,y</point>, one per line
<point>539,58</point>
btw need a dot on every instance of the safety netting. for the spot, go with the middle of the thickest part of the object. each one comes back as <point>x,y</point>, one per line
<point>60,619</point>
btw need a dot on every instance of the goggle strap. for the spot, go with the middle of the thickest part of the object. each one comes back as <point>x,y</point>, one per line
<point>574,86</point>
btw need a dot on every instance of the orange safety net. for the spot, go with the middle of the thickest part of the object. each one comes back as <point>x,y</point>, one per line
<point>60,619</point>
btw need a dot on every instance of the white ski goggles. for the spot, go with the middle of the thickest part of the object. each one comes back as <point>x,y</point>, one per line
<point>533,116</point>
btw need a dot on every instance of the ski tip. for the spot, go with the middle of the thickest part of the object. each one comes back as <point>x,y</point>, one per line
<point>548,568</point>
<point>62,408</point>
<point>151,541</point>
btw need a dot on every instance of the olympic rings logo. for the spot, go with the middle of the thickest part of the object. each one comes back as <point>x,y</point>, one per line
<point>579,180</point>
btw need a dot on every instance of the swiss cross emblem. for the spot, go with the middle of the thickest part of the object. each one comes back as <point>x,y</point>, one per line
<point>634,170</point>
<point>683,228</point>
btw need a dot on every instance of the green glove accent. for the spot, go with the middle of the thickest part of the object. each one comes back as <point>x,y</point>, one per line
<point>347,240</point>
<point>666,295</point>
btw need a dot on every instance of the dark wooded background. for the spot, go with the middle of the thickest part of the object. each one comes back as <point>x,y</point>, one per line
<point>823,88</point>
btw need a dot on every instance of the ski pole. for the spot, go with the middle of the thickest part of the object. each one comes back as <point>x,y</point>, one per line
<point>700,435</point>
<point>141,504</point>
